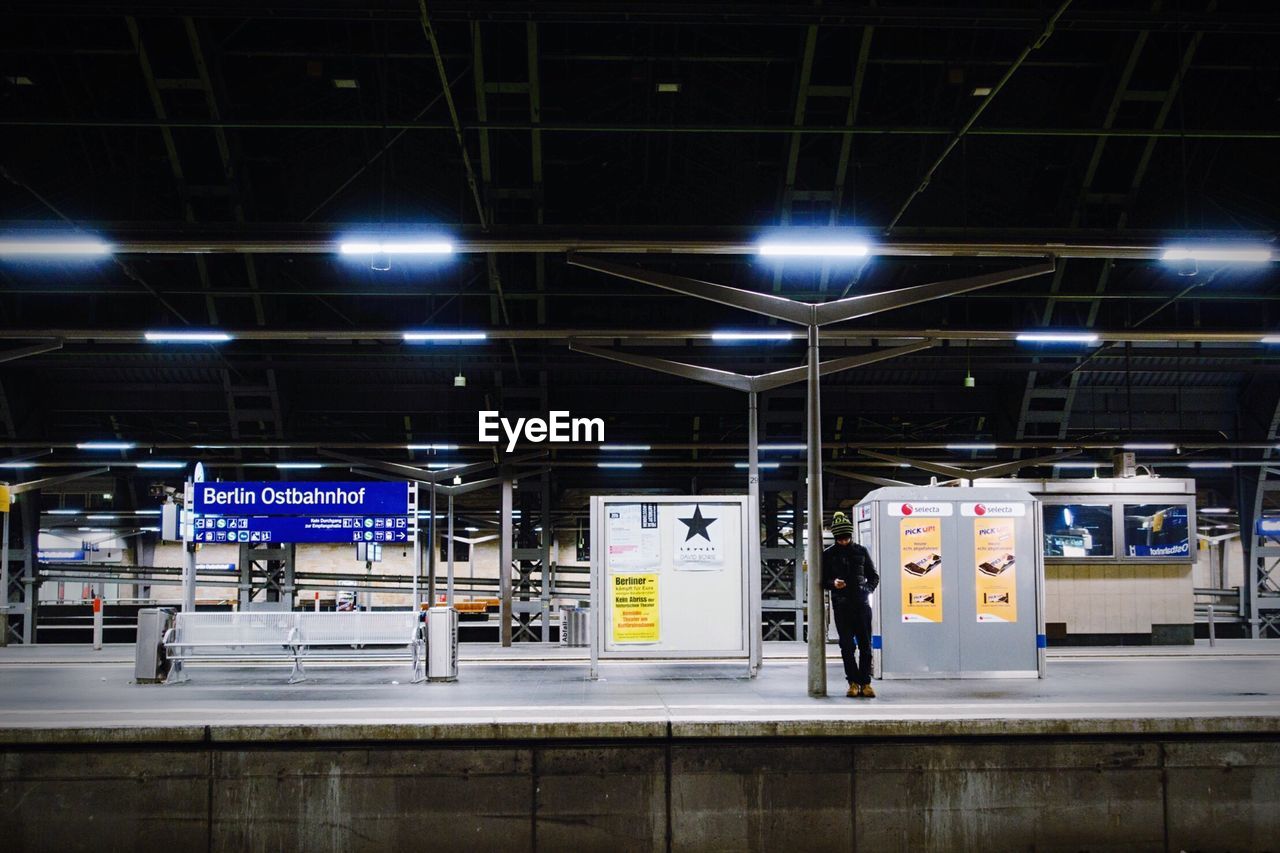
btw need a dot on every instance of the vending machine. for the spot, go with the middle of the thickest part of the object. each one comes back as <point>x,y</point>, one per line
<point>961,582</point>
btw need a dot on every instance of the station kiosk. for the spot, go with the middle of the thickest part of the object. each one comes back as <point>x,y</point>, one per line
<point>961,582</point>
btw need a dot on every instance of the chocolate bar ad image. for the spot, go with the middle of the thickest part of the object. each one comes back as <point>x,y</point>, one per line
<point>997,566</point>
<point>996,598</point>
<point>921,598</point>
<point>917,569</point>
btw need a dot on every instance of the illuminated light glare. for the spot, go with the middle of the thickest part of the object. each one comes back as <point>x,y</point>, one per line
<point>624,447</point>
<point>971,447</point>
<point>1077,465</point>
<point>1210,464</point>
<point>429,337</point>
<point>286,466</point>
<point>1270,339</point>
<point>1150,446</point>
<point>1217,510</point>
<point>813,250</point>
<point>106,445</point>
<point>1057,338</point>
<point>758,464</point>
<point>431,447</point>
<point>441,466</point>
<point>102,517</point>
<point>752,336</point>
<point>17,464</point>
<point>1252,255</point>
<point>159,464</point>
<point>146,512</point>
<point>65,511</point>
<point>783,446</point>
<point>53,249</point>
<point>394,247</point>
<point>471,529</point>
<point>187,337</point>
<point>619,465</point>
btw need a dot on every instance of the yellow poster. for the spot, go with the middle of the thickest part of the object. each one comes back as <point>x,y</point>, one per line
<point>994,568</point>
<point>635,608</point>
<point>920,543</point>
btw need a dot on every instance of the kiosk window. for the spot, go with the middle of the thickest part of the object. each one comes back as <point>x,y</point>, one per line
<point>1156,530</point>
<point>1078,530</point>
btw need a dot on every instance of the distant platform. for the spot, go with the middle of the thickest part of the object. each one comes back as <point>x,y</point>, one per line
<point>73,694</point>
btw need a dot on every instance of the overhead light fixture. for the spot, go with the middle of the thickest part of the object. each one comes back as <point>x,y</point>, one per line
<point>1210,464</point>
<point>64,511</point>
<point>668,88</point>
<point>624,447</point>
<point>758,464</point>
<point>1077,465</point>
<point>1225,254</point>
<point>1149,446</point>
<point>288,466</point>
<point>752,336</point>
<point>17,464</point>
<point>19,80</point>
<point>106,445</point>
<point>457,479</point>
<point>971,447</point>
<point>396,247</point>
<point>442,337</point>
<point>97,517</point>
<point>345,83</point>
<point>459,381</point>
<point>1217,510</point>
<point>146,512</point>
<point>441,466</point>
<point>187,337</point>
<point>431,447</point>
<point>1057,338</point>
<point>158,464</point>
<point>619,464</point>
<point>53,249</point>
<point>1270,339</point>
<point>981,91</point>
<point>812,250</point>
<point>471,529</point>
<point>783,446</point>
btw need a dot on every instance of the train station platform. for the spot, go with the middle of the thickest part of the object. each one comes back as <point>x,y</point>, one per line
<point>1116,749</point>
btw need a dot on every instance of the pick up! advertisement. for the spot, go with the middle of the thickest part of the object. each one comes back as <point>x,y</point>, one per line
<point>920,544</point>
<point>995,570</point>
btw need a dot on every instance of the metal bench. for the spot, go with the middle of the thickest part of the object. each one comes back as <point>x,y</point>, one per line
<point>291,636</point>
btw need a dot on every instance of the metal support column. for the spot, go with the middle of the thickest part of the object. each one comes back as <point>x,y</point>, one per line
<point>504,563</point>
<point>813,552</point>
<point>4,573</point>
<point>431,551</point>
<point>756,654</point>
<point>448,581</point>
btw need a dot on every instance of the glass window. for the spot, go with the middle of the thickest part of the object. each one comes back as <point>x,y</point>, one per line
<point>1078,530</point>
<point>1156,530</point>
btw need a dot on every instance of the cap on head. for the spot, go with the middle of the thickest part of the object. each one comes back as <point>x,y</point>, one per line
<point>841,525</point>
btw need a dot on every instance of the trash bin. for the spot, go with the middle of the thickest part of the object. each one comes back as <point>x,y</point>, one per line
<point>575,622</point>
<point>442,644</point>
<point>150,665</point>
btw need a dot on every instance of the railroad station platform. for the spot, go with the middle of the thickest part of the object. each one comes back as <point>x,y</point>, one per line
<point>1154,750</point>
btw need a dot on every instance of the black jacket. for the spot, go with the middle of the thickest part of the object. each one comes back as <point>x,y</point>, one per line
<point>852,564</point>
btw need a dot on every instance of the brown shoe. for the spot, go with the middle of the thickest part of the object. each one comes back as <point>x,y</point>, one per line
<point>866,692</point>
<point>854,691</point>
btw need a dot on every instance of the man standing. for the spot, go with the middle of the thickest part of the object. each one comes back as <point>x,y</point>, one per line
<point>848,572</point>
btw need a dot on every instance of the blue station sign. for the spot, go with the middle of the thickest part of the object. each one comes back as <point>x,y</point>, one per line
<point>304,499</point>
<point>277,528</point>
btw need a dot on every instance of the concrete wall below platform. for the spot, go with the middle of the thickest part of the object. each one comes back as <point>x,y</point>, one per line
<point>732,794</point>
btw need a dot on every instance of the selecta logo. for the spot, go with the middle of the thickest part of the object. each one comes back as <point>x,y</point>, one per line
<point>926,509</point>
<point>979,509</point>
<point>994,510</point>
<point>906,509</point>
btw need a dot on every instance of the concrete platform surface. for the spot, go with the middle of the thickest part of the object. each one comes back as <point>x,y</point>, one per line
<point>74,694</point>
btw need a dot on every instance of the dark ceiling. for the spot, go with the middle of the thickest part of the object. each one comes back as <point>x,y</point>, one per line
<point>1120,122</point>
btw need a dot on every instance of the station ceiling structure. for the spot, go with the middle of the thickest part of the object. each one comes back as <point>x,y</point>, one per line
<point>215,158</point>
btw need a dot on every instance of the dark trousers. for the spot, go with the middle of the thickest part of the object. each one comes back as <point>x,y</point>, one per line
<point>853,622</point>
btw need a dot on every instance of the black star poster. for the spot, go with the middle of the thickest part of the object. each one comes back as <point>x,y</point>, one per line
<point>698,533</point>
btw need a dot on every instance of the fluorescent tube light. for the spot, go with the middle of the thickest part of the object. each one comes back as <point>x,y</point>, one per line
<point>106,445</point>
<point>64,511</point>
<point>624,447</point>
<point>431,447</point>
<point>428,337</point>
<point>1270,339</point>
<point>441,466</point>
<point>758,464</point>
<point>1210,464</point>
<point>1149,446</point>
<point>1241,254</point>
<point>11,248</point>
<point>396,247</point>
<point>812,250</point>
<point>1077,465</point>
<point>783,446</point>
<point>971,447</point>
<point>286,466</point>
<point>101,517</point>
<point>158,464</point>
<point>619,465</point>
<point>17,464</point>
<point>187,337</point>
<point>752,336</point>
<point>1217,510</point>
<point>1057,338</point>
